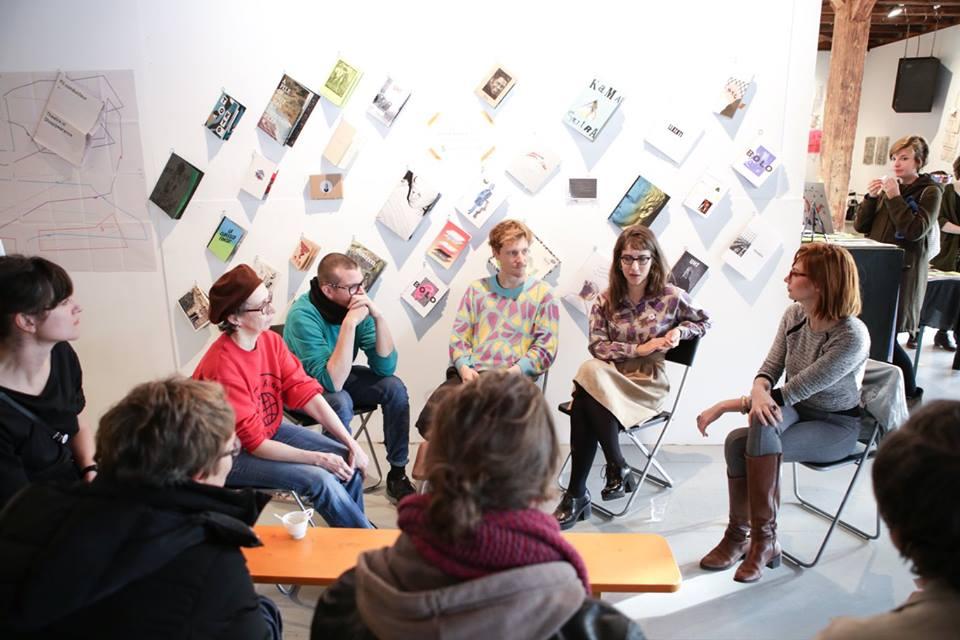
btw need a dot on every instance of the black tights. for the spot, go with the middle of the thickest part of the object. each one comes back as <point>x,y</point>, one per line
<point>590,423</point>
<point>902,360</point>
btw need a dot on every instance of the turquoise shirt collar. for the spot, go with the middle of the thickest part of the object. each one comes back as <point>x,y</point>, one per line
<point>514,293</point>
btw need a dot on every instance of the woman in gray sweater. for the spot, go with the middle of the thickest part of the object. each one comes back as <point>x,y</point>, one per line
<point>821,350</point>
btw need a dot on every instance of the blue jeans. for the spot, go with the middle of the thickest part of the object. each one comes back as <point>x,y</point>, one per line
<point>365,388</point>
<point>339,503</point>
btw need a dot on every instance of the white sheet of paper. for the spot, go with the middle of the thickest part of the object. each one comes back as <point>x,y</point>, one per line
<point>59,136</point>
<point>74,104</point>
<point>704,196</point>
<point>588,283</point>
<point>533,167</point>
<point>675,137</point>
<point>752,247</point>
<point>481,200</point>
<point>258,176</point>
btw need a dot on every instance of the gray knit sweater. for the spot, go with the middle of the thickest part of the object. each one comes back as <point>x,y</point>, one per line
<point>824,369</point>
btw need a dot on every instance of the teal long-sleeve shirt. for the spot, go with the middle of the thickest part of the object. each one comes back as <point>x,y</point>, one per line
<point>312,339</point>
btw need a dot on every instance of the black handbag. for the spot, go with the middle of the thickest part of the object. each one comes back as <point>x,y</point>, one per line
<point>57,436</point>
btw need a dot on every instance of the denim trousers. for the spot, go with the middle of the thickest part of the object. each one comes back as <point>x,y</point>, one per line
<point>365,388</point>
<point>339,503</point>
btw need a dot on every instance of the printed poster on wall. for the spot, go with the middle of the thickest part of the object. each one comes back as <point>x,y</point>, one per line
<point>225,239</point>
<point>175,187</point>
<point>288,111</point>
<point>225,116</point>
<point>533,167</point>
<point>688,271</point>
<point>641,204</point>
<point>409,202</point>
<point>757,163</point>
<point>371,265</point>
<point>196,307</point>
<point>752,248</point>
<point>449,244</point>
<point>481,200</point>
<point>588,283</point>
<point>424,293</point>
<point>259,177</point>
<point>592,109</point>
<point>674,137</point>
<point>704,195</point>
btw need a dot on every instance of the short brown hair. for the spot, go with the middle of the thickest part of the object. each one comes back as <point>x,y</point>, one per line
<point>493,447</point>
<point>508,231</point>
<point>920,149</point>
<point>832,270</point>
<point>32,286</point>
<point>165,432</point>
<point>914,477</point>
<point>326,270</point>
<point>641,238</point>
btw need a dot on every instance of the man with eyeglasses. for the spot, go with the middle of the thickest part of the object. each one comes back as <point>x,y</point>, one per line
<point>326,328</point>
<point>505,321</point>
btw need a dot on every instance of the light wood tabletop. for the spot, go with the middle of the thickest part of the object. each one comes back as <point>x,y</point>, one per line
<point>616,562</point>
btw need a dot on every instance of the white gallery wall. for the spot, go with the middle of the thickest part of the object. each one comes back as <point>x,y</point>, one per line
<point>877,117</point>
<point>667,59</point>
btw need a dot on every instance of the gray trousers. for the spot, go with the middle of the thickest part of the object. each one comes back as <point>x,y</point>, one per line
<point>804,435</point>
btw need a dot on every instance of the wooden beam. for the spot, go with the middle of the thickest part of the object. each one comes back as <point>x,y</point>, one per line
<point>848,51</point>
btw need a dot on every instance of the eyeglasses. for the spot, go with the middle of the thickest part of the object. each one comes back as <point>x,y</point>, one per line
<point>262,308</point>
<point>352,289</point>
<point>794,274</point>
<point>626,260</point>
<point>234,450</point>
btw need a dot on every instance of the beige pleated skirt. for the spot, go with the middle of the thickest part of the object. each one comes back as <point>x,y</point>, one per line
<point>633,390</point>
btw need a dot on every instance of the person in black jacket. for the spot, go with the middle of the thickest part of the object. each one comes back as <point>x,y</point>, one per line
<point>476,557</point>
<point>150,548</point>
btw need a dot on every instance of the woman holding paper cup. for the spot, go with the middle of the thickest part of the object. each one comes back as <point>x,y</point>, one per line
<point>821,350</point>
<point>901,209</point>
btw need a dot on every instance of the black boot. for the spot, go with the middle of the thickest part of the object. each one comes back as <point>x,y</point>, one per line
<point>943,340</point>
<point>620,481</point>
<point>571,509</point>
<point>398,485</point>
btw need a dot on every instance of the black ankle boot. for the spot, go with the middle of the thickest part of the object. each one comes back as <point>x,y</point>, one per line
<point>571,509</point>
<point>620,481</point>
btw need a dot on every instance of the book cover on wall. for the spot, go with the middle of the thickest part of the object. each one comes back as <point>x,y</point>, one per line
<point>424,292</point>
<point>371,265</point>
<point>816,209</point>
<point>582,188</point>
<point>326,186</point>
<point>533,167</point>
<point>541,261</point>
<point>883,148</point>
<point>304,253</point>
<point>259,177</point>
<point>68,117</point>
<point>674,137</point>
<point>588,283</point>
<point>342,145</point>
<point>593,107</point>
<point>266,273</point>
<point>196,307</point>
<point>752,247</point>
<point>341,82</point>
<point>225,239</point>
<point>704,195</point>
<point>688,271</point>
<point>388,102</point>
<point>288,110</point>
<point>177,183</point>
<point>409,202</point>
<point>869,149</point>
<point>481,200</point>
<point>641,204</point>
<point>757,162</point>
<point>731,95</point>
<point>225,116</point>
<point>448,245</point>
<point>495,86</point>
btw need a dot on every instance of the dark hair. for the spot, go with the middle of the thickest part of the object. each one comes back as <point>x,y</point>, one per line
<point>330,263</point>
<point>165,432</point>
<point>493,447</point>
<point>32,286</point>
<point>915,477</point>
<point>635,237</point>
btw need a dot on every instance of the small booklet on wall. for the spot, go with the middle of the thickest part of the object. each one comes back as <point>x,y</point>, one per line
<point>592,109</point>
<point>225,239</point>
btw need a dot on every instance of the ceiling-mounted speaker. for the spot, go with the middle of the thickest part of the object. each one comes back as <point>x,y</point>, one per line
<point>916,85</point>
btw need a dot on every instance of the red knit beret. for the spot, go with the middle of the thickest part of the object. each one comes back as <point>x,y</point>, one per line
<point>230,290</point>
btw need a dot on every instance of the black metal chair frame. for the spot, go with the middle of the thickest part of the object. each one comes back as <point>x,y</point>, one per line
<point>859,458</point>
<point>683,354</point>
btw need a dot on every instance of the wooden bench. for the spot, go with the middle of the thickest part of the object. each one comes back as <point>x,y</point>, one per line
<point>616,562</point>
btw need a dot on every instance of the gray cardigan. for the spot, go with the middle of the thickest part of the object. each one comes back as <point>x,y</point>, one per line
<point>824,369</point>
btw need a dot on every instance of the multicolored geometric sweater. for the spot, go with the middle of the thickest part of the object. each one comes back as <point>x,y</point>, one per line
<point>497,328</point>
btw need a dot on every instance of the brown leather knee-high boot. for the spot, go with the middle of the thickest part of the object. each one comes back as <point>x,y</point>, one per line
<point>763,494</point>
<point>734,544</point>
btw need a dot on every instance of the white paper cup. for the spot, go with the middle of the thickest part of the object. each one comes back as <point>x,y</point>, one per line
<point>296,523</point>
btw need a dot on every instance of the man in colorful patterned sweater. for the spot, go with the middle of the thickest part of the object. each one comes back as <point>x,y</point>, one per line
<point>505,321</point>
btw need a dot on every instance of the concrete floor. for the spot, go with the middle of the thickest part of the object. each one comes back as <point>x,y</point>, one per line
<point>852,578</point>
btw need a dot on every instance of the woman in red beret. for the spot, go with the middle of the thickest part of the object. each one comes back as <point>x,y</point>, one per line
<point>261,377</point>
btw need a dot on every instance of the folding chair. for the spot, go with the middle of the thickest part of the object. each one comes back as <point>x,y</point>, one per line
<point>683,354</point>
<point>363,412</point>
<point>866,448</point>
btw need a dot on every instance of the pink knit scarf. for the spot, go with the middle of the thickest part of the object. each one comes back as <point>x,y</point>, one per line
<point>503,540</point>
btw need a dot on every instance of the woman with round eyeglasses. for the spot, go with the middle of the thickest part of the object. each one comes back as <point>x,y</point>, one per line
<point>820,350</point>
<point>632,325</point>
<point>261,377</point>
